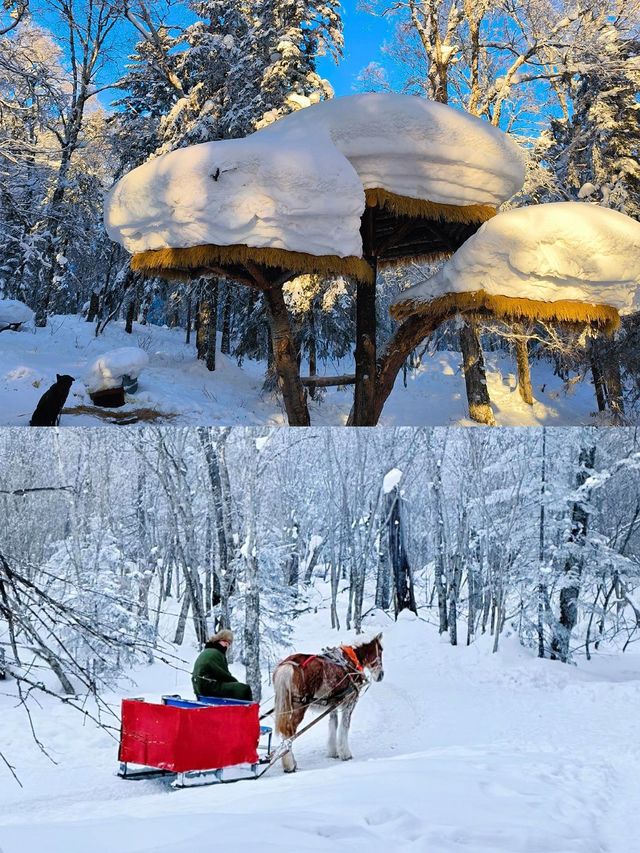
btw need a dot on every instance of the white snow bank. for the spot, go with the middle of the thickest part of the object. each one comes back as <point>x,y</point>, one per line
<point>259,192</point>
<point>412,147</point>
<point>109,368</point>
<point>568,250</point>
<point>13,311</point>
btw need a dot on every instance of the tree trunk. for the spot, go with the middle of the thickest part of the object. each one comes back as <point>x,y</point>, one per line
<point>312,355</point>
<point>523,368</point>
<point>94,307</point>
<point>189,321</point>
<point>613,380</point>
<point>598,378</point>
<point>474,374</point>
<point>225,342</point>
<point>285,358</point>
<point>573,564</point>
<point>206,324</point>
<point>403,594</point>
<point>383,591</point>
<point>131,313</point>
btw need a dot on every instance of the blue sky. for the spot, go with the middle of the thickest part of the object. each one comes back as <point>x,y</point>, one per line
<point>363,36</point>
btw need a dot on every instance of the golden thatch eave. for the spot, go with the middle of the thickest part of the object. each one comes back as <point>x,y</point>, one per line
<point>184,263</point>
<point>511,308</point>
<point>423,209</point>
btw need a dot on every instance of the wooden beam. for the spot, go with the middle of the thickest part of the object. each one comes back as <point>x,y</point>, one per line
<point>326,381</point>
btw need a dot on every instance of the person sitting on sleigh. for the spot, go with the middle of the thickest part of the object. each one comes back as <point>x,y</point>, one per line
<point>211,676</point>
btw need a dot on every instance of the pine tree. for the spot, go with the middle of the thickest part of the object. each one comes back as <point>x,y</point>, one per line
<point>593,153</point>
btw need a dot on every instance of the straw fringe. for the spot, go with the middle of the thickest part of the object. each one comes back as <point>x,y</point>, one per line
<point>177,263</point>
<point>510,307</point>
<point>417,258</point>
<point>423,209</point>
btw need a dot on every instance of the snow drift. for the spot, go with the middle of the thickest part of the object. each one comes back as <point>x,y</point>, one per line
<point>569,252</point>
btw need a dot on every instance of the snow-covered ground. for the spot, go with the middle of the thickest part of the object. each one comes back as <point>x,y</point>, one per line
<point>182,392</point>
<point>456,750</point>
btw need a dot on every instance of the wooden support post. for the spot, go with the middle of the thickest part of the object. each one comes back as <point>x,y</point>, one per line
<point>364,408</point>
<point>285,358</point>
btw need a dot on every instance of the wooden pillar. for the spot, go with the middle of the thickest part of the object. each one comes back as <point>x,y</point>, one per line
<point>364,400</point>
<point>285,358</point>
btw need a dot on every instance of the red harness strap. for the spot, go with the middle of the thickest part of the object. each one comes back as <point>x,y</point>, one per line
<point>349,653</point>
<point>306,661</point>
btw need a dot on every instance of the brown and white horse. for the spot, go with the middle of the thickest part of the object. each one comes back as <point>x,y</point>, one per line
<point>303,680</point>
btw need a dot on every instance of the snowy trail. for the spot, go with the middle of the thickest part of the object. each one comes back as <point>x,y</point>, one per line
<point>456,750</point>
<point>183,392</point>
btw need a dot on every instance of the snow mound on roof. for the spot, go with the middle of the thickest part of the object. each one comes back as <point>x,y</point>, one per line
<point>567,250</point>
<point>109,368</point>
<point>413,147</point>
<point>255,192</point>
<point>13,311</point>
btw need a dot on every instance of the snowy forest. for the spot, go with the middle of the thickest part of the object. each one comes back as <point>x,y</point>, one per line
<point>92,89</point>
<point>502,568</point>
<point>533,533</point>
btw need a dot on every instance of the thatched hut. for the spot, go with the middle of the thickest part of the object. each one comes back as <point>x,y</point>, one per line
<point>571,263</point>
<point>338,188</point>
<point>431,175</point>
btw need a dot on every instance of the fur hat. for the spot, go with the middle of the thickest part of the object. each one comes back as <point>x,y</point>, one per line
<point>225,635</point>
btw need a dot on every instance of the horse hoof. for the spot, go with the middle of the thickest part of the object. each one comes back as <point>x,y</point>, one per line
<point>346,757</point>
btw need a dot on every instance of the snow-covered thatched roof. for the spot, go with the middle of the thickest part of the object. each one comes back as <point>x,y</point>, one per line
<point>292,195</point>
<point>415,156</point>
<point>569,262</point>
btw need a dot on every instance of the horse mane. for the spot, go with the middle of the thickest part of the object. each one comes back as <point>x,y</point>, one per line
<point>363,643</point>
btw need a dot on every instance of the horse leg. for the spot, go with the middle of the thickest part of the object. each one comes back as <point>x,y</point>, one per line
<point>343,734</point>
<point>289,763</point>
<point>332,748</point>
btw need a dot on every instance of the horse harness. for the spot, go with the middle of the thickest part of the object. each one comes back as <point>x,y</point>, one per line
<point>345,657</point>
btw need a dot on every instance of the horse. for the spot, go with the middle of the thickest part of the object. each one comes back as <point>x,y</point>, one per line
<point>337,675</point>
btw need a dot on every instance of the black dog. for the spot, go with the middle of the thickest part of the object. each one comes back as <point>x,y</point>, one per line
<point>48,410</point>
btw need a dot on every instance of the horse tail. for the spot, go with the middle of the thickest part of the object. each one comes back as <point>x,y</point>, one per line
<point>283,684</point>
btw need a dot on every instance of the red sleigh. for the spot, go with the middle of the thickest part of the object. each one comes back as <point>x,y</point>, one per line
<point>200,742</point>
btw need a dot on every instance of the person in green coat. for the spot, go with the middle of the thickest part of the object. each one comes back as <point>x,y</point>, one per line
<point>211,676</point>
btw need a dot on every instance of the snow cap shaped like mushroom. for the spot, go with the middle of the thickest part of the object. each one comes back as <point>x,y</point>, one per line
<point>413,148</point>
<point>565,261</point>
<point>256,192</point>
<point>109,368</point>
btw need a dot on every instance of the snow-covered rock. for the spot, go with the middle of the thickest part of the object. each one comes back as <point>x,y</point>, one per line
<point>259,192</point>
<point>12,312</point>
<point>412,147</point>
<point>109,368</point>
<point>564,251</point>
